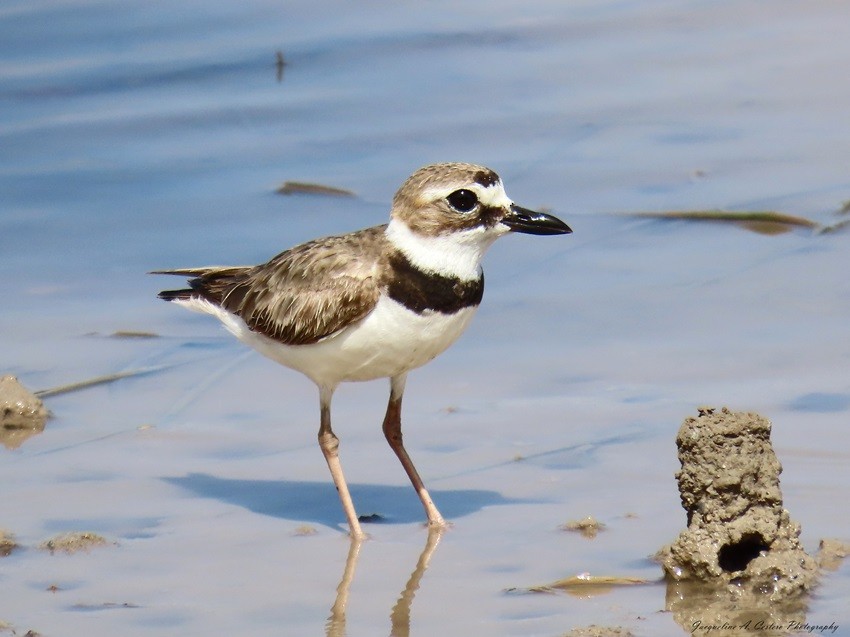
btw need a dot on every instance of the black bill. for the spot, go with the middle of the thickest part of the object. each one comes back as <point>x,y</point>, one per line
<point>531,222</point>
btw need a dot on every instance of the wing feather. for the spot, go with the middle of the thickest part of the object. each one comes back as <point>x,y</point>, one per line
<point>304,294</point>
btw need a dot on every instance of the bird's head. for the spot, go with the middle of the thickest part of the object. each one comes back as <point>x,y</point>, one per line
<point>445,216</point>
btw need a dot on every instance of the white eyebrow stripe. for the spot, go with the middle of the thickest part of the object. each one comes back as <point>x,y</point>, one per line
<point>494,196</point>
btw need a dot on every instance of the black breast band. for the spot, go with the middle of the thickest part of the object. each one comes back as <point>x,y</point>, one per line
<point>419,291</point>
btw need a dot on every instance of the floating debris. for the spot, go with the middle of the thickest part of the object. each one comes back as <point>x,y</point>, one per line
<point>831,553</point>
<point>589,526</point>
<point>133,334</point>
<point>279,64</point>
<point>22,414</point>
<point>305,530</point>
<point>105,606</point>
<point>5,626</point>
<point>763,222</point>
<point>7,543</point>
<point>599,631</point>
<point>836,227</point>
<point>587,585</point>
<point>73,542</point>
<point>305,188</point>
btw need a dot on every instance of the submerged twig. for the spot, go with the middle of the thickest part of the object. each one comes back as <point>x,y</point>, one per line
<point>836,227</point>
<point>279,64</point>
<point>98,380</point>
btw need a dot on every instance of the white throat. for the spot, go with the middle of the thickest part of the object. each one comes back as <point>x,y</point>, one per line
<point>455,254</point>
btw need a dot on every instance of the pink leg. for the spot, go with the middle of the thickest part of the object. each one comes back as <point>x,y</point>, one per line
<point>392,431</point>
<point>329,444</point>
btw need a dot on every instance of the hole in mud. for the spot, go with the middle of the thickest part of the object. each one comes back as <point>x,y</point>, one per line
<point>735,556</point>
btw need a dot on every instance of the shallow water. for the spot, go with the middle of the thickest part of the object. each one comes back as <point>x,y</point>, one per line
<point>137,136</point>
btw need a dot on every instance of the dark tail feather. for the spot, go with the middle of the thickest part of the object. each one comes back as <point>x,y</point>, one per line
<point>176,295</point>
<point>220,270</point>
<point>211,282</point>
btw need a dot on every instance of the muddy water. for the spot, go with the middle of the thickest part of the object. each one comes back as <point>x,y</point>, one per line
<point>140,136</point>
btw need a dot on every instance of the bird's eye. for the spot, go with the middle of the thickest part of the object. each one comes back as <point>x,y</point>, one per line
<point>462,200</point>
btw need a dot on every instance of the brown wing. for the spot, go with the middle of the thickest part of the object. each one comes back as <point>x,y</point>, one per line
<point>306,293</point>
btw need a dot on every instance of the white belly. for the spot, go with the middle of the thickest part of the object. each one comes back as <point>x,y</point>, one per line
<point>389,341</point>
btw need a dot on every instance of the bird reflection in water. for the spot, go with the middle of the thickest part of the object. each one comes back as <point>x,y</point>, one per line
<point>400,613</point>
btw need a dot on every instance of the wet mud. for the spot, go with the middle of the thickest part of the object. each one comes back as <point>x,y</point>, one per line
<point>22,414</point>
<point>739,563</point>
<point>74,542</point>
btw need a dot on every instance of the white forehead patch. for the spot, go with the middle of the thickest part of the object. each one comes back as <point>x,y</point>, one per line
<point>494,195</point>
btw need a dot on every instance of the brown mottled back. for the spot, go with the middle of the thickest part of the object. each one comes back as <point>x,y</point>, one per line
<point>304,294</point>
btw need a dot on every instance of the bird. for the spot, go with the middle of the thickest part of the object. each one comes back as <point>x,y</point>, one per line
<point>374,303</point>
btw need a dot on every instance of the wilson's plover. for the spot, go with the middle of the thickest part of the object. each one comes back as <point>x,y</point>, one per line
<point>373,303</point>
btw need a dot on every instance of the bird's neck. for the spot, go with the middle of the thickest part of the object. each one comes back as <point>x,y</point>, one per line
<point>455,254</point>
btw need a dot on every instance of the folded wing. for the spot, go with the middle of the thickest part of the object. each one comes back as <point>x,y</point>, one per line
<point>300,296</point>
